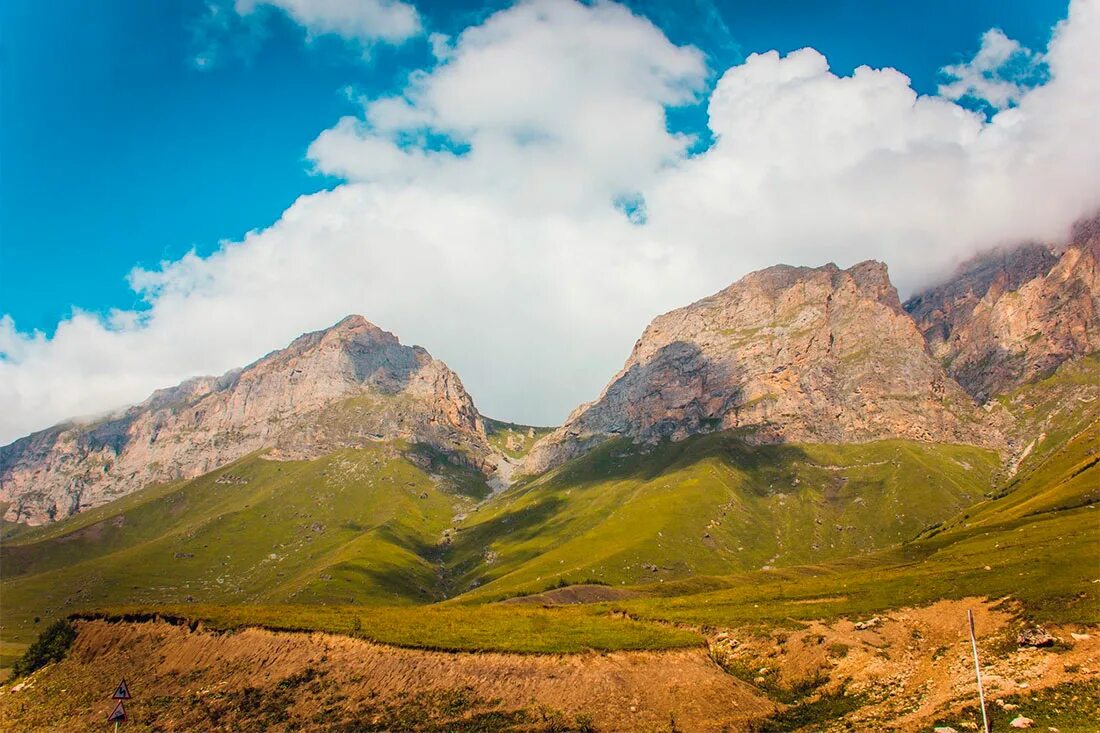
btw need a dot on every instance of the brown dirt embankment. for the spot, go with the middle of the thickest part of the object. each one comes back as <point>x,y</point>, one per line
<point>910,666</point>
<point>902,670</point>
<point>263,680</point>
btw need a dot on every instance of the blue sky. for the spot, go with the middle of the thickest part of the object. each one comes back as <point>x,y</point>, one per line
<point>520,188</point>
<point>118,151</point>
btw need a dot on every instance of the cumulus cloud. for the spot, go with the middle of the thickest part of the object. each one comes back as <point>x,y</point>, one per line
<point>522,210</point>
<point>998,75</point>
<point>392,21</point>
<point>572,93</point>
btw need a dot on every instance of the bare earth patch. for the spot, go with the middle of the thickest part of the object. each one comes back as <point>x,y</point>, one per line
<point>902,670</point>
<point>189,680</point>
<point>574,594</point>
<point>909,666</point>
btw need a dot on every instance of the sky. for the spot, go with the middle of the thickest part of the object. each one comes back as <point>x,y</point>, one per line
<point>519,188</point>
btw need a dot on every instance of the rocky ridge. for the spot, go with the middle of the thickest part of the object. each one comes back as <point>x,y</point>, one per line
<point>786,354</point>
<point>330,389</point>
<point>1008,317</point>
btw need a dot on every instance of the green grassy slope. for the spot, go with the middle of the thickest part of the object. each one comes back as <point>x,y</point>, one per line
<point>710,504</point>
<point>512,439</point>
<point>358,526</point>
<point>1035,541</point>
<point>1048,565</point>
<point>1059,420</point>
<point>447,628</point>
<point>360,541</point>
<point>1045,560</point>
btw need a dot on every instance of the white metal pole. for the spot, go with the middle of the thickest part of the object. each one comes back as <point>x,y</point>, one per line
<point>977,669</point>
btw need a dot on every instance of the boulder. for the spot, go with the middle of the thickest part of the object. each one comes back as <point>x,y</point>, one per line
<point>1035,636</point>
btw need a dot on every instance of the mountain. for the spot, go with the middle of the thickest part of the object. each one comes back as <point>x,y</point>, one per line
<point>783,485</point>
<point>1010,316</point>
<point>358,525</point>
<point>787,354</point>
<point>346,386</point>
<point>803,647</point>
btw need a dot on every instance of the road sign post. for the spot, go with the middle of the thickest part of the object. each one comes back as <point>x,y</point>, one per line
<point>977,669</point>
<point>118,715</point>
<point>122,692</point>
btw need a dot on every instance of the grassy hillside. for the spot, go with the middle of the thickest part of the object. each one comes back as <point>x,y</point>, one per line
<point>358,526</point>
<point>625,514</point>
<point>511,439</point>
<point>1034,541</point>
<point>1043,561</point>
<point>489,628</point>
<point>362,540</point>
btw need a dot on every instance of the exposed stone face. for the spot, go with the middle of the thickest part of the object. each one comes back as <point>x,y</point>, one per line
<point>791,354</point>
<point>943,309</point>
<point>330,389</point>
<point>1009,317</point>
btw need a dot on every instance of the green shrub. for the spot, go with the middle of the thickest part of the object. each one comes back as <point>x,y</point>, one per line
<point>583,723</point>
<point>50,647</point>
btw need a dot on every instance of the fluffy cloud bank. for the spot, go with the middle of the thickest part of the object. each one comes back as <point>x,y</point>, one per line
<point>522,210</point>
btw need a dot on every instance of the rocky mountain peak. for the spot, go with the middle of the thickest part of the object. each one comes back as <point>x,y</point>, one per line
<point>1011,315</point>
<point>353,328</point>
<point>329,389</point>
<point>785,354</point>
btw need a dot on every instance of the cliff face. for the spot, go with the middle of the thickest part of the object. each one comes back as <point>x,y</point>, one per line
<point>787,353</point>
<point>945,308</point>
<point>1009,317</point>
<point>330,389</point>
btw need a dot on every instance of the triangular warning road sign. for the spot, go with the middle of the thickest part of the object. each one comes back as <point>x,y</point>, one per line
<point>122,692</point>
<point>118,715</point>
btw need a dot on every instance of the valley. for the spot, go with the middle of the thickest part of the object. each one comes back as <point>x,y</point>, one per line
<point>775,517</point>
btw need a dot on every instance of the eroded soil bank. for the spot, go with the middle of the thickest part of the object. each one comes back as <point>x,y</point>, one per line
<point>913,670</point>
<point>262,680</point>
<point>905,670</point>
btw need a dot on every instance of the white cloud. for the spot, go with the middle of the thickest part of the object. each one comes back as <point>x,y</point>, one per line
<point>574,93</point>
<point>392,21</point>
<point>486,213</point>
<point>998,74</point>
<point>237,28</point>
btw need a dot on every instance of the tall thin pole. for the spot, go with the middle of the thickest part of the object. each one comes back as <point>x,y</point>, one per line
<point>977,669</point>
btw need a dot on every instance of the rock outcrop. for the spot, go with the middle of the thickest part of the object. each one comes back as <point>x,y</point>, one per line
<point>1011,316</point>
<point>330,389</point>
<point>787,354</point>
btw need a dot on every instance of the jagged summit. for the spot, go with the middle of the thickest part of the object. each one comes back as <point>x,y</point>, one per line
<point>787,353</point>
<point>333,388</point>
<point>1009,316</point>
